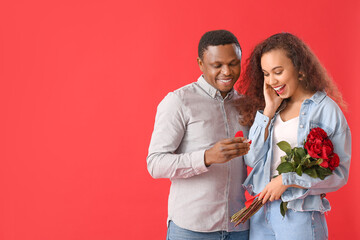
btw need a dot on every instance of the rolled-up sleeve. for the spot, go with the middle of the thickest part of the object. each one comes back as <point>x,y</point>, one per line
<point>259,146</point>
<point>169,129</point>
<point>342,146</point>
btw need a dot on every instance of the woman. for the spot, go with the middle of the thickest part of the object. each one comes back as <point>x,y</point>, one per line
<point>287,92</point>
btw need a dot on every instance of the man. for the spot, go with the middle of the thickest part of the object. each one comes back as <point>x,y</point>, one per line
<point>193,145</point>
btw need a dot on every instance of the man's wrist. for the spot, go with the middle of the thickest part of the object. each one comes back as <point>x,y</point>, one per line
<point>206,159</point>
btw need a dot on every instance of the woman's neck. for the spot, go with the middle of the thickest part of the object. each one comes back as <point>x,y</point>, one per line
<point>293,105</point>
<point>300,96</point>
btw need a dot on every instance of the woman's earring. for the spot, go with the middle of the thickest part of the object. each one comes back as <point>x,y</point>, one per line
<point>301,76</point>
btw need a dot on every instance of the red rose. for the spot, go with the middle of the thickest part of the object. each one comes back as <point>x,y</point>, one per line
<point>318,145</point>
<point>327,148</point>
<point>316,133</point>
<point>334,161</point>
<point>314,148</point>
<point>324,164</point>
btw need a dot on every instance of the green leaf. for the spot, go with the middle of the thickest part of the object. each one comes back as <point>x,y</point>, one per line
<point>291,156</point>
<point>285,146</point>
<point>300,151</point>
<point>299,154</point>
<point>285,167</point>
<point>311,172</point>
<point>284,158</point>
<point>323,172</point>
<point>297,159</point>
<point>299,170</point>
<point>283,208</point>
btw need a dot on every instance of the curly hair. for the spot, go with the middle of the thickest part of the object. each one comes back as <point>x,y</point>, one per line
<point>216,38</point>
<point>314,75</point>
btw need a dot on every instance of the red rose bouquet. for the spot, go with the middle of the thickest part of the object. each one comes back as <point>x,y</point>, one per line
<point>316,159</point>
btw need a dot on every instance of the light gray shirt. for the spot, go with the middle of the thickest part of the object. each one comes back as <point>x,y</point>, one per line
<point>189,121</point>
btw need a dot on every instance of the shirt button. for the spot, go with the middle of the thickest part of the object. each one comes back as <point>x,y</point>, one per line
<point>303,113</point>
<point>301,126</point>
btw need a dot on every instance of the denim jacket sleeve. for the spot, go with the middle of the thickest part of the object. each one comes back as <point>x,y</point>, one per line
<point>316,186</point>
<point>341,138</point>
<point>169,129</point>
<point>257,157</point>
<point>259,147</point>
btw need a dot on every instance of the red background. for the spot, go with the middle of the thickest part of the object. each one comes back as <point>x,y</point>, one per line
<point>79,86</point>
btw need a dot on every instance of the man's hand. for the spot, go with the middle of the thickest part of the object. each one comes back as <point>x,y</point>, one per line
<point>225,150</point>
<point>273,190</point>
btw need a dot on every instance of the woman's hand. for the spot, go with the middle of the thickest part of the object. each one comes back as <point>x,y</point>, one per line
<point>273,190</point>
<point>272,101</point>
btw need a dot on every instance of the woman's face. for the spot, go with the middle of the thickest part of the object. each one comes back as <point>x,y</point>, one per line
<point>280,74</point>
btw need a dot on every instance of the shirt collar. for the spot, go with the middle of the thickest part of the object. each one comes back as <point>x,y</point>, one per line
<point>318,97</point>
<point>213,92</point>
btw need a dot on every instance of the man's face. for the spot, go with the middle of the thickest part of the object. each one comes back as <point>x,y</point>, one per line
<point>221,66</point>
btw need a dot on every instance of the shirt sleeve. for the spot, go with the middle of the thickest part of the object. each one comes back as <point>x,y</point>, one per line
<point>259,147</point>
<point>169,129</point>
<point>315,186</point>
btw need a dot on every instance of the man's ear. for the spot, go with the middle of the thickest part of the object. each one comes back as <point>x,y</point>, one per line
<point>200,63</point>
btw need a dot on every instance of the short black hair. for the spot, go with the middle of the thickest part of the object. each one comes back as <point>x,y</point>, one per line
<point>216,38</point>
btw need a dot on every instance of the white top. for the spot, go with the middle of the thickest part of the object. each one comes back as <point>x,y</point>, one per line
<point>283,131</point>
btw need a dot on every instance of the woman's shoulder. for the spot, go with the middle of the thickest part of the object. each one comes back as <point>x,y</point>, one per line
<point>328,113</point>
<point>325,103</point>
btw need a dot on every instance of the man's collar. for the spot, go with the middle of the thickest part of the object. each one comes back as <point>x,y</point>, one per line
<point>213,92</point>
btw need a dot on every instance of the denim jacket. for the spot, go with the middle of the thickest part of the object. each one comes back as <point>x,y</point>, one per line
<point>318,111</point>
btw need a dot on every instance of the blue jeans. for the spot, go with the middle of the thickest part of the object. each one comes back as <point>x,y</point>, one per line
<point>177,233</point>
<point>269,224</point>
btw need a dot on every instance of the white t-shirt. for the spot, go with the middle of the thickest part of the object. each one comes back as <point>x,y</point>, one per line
<point>283,131</point>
